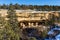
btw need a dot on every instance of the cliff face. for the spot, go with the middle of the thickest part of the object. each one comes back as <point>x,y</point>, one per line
<point>31,14</point>
<point>32,18</point>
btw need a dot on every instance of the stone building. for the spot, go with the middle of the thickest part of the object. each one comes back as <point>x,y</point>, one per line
<point>31,18</point>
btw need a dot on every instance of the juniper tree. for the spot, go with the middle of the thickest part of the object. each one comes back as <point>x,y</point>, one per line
<point>13,23</point>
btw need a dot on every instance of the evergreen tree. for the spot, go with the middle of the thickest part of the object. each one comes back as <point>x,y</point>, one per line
<point>2,21</point>
<point>4,6</point>
<point>1,26</point>
<point>13,22</point>
<point>17,6</point>
<point>11,7</point>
